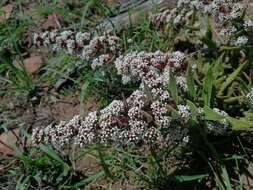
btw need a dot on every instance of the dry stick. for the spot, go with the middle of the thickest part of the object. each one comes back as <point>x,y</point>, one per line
<point>14,133</point>
<point>6,145</point>
<point>129,3</point>
<point>125,20</point>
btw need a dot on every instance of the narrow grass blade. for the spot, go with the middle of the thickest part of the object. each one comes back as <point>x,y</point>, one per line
<point>207,87</point>
<point>231,78</point>
<point>89,179</point>
<point>186,178</point>
<point>190,82</point>
<point>212,115</point>
<point>173,88</point>
<point>50,152</point>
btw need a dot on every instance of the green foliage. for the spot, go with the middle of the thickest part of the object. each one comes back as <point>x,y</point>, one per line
<point>173,88</point>
<point>207,86</point>
<point>19,79</point>
<point>190,82</point>
<point>208,37</point>
<point>11,32</point>
<point>212,115</point>
<point>43,167</point>
<point>230,78</point>
<point>221,80</point>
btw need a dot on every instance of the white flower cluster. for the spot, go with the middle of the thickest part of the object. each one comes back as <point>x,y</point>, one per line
<point>143,116</point>
<point>177,59</point>
<point>249,96</point>
<point>98,49</point>
<point>218,126</point>
<point>184,112</point>
<point>60,134</point>
<point>226,13</point>
<point>228,31</point>
<point>159,110</point>
<point>87,130</point>
<point>177,16</point>
<point>139,118</point>
<point>181,83</point>
<point>248,25</point>
<point>136,66</point>
<point>241,40</point>
<point>226,10</point>
<point>214,126</point>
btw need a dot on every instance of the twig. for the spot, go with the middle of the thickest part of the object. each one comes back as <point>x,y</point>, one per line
<point>6,145</point>
<point>125,20</point>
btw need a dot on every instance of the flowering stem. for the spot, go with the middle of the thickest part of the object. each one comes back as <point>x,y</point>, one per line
<point>103,163</point>
<point>153,153</point>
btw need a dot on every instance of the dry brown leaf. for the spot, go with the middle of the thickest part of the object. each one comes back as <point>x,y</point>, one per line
<point>247,176</point>
<point>5,12</point>
<point>32,64</point>
<point>52,22</point>
<point>9,139</point>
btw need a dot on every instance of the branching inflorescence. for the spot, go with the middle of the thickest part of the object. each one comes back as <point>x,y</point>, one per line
<point>139,118</point>
<point>143,117</point>
<point>99,49</point>
<point>232,27</point>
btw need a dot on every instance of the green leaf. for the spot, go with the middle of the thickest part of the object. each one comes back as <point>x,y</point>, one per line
<point>84,92</point>
<point>219,81</point>
<point>217,178</point>
<point>51,153</point>
<point>212,115</point>
<point>193,108</point>
<point>231,78</point>
<point>217,67</point>
<point>185,178</point>
<point>190,82</point>
<point>226,178</point>
<point>233,99</point>
<point>238,124</point>
<point>22,183</point>
<point>172,111</point>
<point>207,38</point>
<point>207,87</point>
<point>64,173</point>
<point>37,177</point>
<point>172,87</point>
<point>209,34</point>
<point>89,179</point>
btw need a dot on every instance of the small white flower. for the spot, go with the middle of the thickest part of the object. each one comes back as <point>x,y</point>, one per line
<point>248,24</point>
<point>181,83</point>
<point>249,96</point>
<point>100,60</point>
<point>242,40</point>
<point>184,112</point>
<point>223,122</point>
<point>177,58</point>
<point>186,139</point>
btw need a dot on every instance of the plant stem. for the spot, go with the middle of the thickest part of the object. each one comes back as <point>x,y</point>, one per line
<point>153,153</point>
<point>103,163</point>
